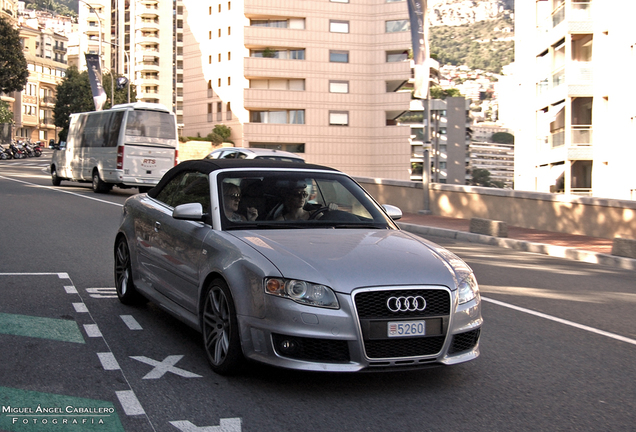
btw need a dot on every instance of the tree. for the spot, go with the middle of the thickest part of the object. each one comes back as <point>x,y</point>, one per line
<point>13,64</point>
<point>502,138</point>
<point>481,177</point>
<point>220,134</point>
<point>6,116</point>
<point>439,93</point>
<point>73,95</point>
<point>121,93</point>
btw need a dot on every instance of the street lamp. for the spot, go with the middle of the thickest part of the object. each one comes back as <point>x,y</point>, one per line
<point>112,84</point>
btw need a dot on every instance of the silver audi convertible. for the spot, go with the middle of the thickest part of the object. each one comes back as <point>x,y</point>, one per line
<point>294,265</point>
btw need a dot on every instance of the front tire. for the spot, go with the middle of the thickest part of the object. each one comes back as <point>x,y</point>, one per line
<point>221,339</point>
<point>124,285</point>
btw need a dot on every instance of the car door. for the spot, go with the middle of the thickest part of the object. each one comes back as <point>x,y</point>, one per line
<point>176,245</point>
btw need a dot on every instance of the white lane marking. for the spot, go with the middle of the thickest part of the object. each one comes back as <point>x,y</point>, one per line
<point>562,321</point>
<point>80,308</point>
<point>167,365</point>
<point>129,402</point>
<point>226,425</point>
<point>131,322</point>
<point>92,330</point>
<point>108,360</point>
<point>70,289</point>
<point>61,190</point>
<point>102,292</point>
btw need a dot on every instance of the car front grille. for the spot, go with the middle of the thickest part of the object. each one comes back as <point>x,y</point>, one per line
<point>374,316</point>
<point>372,304</point>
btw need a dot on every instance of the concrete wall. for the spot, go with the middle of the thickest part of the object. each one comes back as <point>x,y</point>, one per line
<point>596,217</point>
<point>195,150</point>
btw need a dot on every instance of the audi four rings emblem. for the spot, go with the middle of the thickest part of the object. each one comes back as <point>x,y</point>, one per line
<point>406,304</point>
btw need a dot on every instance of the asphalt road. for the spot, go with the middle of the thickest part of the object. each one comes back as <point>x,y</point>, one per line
<point>558,344</point>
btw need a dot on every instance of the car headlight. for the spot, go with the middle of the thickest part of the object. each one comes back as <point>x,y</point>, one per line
<point>468,289</point>
<point>302,292</point>
<point>464,278</point>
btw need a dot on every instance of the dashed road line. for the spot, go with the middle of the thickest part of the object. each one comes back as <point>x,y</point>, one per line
<point>108,361</point>
<point>130,403</point>
<point>92,331</point>
<point>130,322</point>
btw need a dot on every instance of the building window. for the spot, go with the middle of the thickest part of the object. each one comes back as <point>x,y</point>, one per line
<point>219,82</point>
<point>397,26</point>
<point>336,26</point>
<point>339,118</point>
<point>219,111</point>
<point>278,117</point>
<point>338,86</point>
<point>278,84</point>
<point>229,5</point>
<point>397,56</point>
<point>219,31</point>
<point>228,112</point>
<point>339,56</point>
<point>229,81</point>
<point>229,31</point>
<point>229,55</point>
<point>298,54</point>
<point>219,57</point>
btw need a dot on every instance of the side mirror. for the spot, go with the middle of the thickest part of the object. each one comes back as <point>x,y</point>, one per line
<point>190,211</point>
<point>393,212</point>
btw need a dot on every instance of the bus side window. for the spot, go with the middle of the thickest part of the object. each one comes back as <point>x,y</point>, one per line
<point>114,129</point>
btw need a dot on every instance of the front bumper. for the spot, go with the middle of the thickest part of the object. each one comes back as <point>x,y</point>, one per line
<point>315,339</point>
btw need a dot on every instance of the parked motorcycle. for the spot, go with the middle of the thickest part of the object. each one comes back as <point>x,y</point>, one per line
<point>27,150</point>
<point>16,151</point>
<point>5,153</point>
<point>37,149</point>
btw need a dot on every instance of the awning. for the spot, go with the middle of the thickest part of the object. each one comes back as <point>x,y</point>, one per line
<point>554,112</point>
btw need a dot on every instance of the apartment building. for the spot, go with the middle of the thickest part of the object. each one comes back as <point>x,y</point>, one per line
<point>576,133</point>
<point>498,159</point>
<point>319,77</point>
<point>139,39</point>
<point>448,128</point>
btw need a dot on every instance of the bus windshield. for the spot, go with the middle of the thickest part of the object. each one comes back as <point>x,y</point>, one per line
<point>150,124</point>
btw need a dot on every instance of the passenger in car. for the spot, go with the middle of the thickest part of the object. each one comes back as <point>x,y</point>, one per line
<point>231,200</point>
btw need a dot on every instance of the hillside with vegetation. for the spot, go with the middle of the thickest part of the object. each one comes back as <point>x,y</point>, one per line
<point>61,7</point>
<point>486,45</point>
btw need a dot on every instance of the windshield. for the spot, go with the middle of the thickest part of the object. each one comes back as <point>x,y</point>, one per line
<point>280,199</point>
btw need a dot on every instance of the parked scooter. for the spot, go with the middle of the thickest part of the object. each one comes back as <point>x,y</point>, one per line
<point>37,149</point>
<point>5,153</point>
<point>27,150</point>
<point>16,151</point>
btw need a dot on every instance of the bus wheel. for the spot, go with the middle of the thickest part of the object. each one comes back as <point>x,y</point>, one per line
<point>98,185</point>
<point>54,178</point>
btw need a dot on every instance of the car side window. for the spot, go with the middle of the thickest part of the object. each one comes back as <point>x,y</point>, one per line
<point>188,187</point>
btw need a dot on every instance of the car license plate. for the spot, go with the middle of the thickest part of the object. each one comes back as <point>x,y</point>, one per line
<point>406,328</point>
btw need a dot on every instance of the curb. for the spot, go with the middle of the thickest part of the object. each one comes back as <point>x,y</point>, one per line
<point>525,246</point>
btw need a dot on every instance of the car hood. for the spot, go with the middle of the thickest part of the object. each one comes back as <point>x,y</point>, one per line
<point>346,259</point>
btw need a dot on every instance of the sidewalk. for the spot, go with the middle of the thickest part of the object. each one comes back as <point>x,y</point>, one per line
<point>576,247</point>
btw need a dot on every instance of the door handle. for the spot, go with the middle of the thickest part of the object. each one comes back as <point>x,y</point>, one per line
<point>157,226</point>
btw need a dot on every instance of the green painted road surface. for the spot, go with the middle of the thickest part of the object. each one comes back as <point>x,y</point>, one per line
<point>39,327</point>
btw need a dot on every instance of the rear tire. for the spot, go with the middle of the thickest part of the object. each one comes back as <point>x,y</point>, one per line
<point>124,285</point>
<point>98,184</point>
<point>54,178</point>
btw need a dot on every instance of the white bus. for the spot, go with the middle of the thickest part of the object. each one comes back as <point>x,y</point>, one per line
<point>129,145</point>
